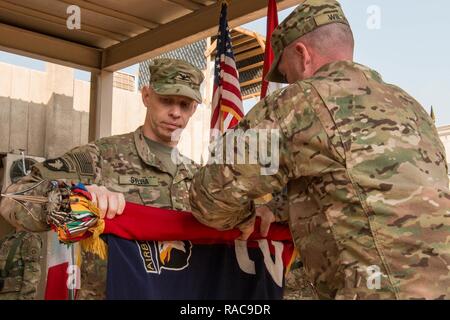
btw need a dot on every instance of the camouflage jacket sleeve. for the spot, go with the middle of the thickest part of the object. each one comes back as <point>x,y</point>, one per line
<point>31,250</point>
<point>221,194</point>
<point>81,164</point>
<point>279,206</point>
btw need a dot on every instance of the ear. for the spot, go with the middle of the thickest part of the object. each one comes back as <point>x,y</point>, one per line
<point>194,108</point>
<point>146,95</point>
<point>304,53</point>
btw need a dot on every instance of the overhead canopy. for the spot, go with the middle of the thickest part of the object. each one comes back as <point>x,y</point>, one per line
<point>115,34</point>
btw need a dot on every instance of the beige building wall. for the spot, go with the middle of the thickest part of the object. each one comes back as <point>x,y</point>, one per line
<point>43,113</point>
<point>194,140</point>
<point>128,111</point>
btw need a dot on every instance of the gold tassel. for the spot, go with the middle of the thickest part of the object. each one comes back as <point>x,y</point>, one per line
<point>94,243</point>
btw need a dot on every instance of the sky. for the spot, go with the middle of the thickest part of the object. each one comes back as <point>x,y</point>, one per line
<point>407,41</point>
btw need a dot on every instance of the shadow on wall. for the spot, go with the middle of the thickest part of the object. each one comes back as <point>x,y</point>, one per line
<point>44,130</point>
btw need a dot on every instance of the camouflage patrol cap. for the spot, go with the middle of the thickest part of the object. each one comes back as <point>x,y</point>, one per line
<point>307,17</point>
<point>176,77</point>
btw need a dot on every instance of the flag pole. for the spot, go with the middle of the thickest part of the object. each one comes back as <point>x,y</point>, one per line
<point>227,3</point>
<point>432,115</point>
<point>72,269</point>
<point>221,120</point>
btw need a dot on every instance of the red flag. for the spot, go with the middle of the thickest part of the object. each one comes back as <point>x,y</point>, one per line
<point>272,23</point>
<point>139,222</point>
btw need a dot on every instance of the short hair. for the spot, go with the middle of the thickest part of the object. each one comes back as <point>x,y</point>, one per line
<point>326,39</point>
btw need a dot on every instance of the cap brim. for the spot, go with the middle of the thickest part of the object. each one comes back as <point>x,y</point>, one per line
<point>274,75</point>
<point>177,90</point>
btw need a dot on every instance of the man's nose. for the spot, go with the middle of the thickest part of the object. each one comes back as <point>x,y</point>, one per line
<point>175,111</point>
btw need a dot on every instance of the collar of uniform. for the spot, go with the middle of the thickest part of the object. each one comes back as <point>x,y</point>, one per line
<point>183,170</point>
<point>186,170</point>
<point>342,68</point>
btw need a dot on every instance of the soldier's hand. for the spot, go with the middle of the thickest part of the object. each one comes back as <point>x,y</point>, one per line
<point>247,229</point>
<point>110,203</point>
<point>267,218</point>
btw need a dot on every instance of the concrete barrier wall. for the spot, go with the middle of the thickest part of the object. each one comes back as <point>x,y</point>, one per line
<point>39,111</point>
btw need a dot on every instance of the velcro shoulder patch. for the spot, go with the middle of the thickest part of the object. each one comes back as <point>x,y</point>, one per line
<point>72,165</point>
<point>63,163</point>
<point>58,168</point>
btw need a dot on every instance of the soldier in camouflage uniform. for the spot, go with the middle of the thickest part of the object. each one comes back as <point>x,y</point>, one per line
<point>20,270</point>
<point>137,165</point>
<point>368,199</point>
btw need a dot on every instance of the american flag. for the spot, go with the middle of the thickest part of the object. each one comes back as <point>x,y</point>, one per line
<point>227,108</point>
